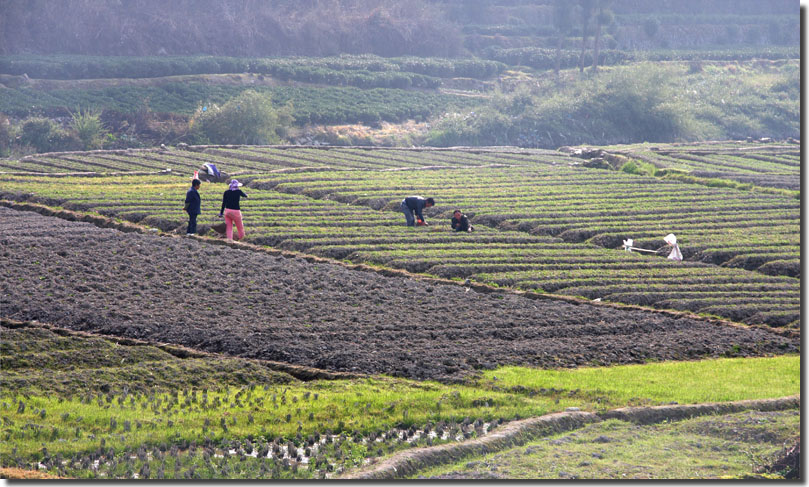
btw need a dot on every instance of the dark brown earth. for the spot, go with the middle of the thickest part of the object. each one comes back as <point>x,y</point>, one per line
<point>252,304</point>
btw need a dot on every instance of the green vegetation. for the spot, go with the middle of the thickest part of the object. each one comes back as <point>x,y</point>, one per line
<point>731,446</point>
<point>541,58</point>
<point>246,119</point>
<point>44,135</point>
<point>732,379</point>
<point>639,167</point>
<point>643,102</point>
<point>6,136</point>
<point>311,105</point>
<point>72,401</point>
<point>95,75</point>
<point>88,128</point>
<point>364,71</point>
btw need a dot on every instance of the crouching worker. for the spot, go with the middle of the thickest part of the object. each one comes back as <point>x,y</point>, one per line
<point>460,223</point>
<point>192,207</point>
<point>415,204</point>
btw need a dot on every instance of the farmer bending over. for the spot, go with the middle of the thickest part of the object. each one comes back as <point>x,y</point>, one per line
<point>192,207</point>
<point>460,223</point>
<point>415,204</point>
<point>231,211</point>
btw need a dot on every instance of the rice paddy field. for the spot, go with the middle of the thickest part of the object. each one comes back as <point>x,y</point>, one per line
<point>335,338</point>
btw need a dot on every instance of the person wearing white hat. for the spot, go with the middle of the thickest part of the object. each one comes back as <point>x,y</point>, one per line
<point>231,210</point>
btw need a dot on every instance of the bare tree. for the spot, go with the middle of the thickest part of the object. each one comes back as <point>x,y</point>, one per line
<point>586,14</point>
<point>563,23</point>
<point>603,16</point>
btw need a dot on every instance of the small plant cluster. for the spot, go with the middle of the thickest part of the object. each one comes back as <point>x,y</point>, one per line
<point>83,131</point>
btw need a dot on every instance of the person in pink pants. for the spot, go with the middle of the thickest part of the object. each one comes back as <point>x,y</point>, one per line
<point>231,210</point>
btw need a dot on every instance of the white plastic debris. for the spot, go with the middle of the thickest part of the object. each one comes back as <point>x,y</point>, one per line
<point>675,253</point>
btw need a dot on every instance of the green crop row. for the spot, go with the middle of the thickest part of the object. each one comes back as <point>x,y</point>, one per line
<point>296,68</point>
<point>546,58</point>
<point>318,105</point>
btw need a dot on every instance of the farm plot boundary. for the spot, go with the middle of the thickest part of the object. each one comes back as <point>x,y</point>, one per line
<point>519,432</point>
<point>105,222</point>
<point>299,372</point>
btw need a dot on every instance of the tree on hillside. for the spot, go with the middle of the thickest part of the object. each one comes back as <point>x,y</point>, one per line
<point>651,27</point>
<point>586,8</point>
<point>563,24</point>
<point>603,16</point>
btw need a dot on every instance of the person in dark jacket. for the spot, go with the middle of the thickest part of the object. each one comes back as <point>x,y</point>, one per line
<point>193,204</point>
<point>460,223</point>
<point>415,204</point>
<point>231,210</point>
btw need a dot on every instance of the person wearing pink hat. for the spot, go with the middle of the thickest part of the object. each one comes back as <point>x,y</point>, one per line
<point>231,210</point>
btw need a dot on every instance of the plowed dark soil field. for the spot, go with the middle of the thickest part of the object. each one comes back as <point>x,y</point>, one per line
<point>256,305</point>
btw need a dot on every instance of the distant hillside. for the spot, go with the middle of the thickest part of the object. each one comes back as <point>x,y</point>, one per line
<point>444,28</point>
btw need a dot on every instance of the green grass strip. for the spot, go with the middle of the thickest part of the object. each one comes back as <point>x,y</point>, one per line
<point>730,379</point>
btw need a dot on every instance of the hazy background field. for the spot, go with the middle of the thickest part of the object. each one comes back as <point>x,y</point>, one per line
<point>99,74</point>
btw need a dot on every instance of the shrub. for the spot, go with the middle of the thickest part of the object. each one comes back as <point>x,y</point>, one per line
<point>248,118</point>
<point>635,166</point>
<point>89,128</point>
<point>46,136</point>
<point>6,135</point>
<point>36,132</point>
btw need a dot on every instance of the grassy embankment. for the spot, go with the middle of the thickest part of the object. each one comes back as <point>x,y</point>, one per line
<point>138,409</point>
<point>640,102</point>
<point>732,446</point>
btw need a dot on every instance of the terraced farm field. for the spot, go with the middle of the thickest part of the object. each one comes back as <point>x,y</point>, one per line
<point>775,166</point>
<point>544,221</point>
<point>336,340</point>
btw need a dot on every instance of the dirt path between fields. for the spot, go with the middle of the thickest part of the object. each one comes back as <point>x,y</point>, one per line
<point>516,433</point>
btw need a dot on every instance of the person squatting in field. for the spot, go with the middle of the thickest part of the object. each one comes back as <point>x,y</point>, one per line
<point>231,211</point>
<point>193,204</point>
<point>415,204</point>
<point>460,223</point>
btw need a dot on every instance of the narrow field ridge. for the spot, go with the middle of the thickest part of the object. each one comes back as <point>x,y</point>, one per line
<point>299,372</point>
